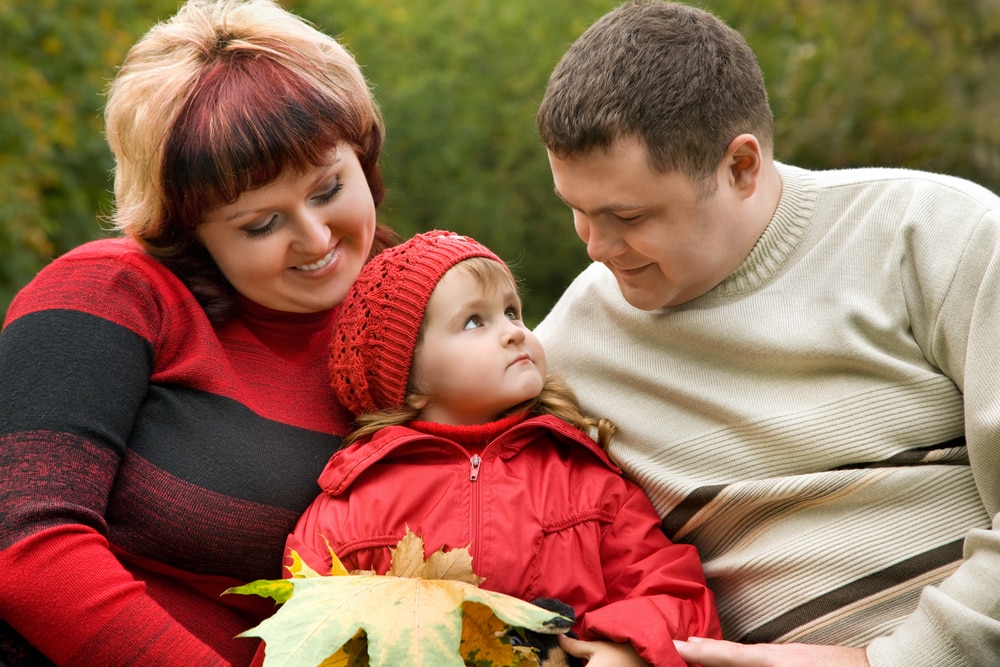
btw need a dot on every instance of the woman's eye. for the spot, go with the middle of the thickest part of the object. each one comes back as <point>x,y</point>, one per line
<point>329,194</point>
<point>473,322</point>
<point>263,230</point>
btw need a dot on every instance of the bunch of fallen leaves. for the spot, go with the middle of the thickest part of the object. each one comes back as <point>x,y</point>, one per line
<point>422,612</point>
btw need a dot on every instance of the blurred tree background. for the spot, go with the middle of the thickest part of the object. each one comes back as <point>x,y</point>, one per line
<point>887,82</point>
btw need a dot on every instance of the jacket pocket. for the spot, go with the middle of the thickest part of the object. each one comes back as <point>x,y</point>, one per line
<point>567,561</point>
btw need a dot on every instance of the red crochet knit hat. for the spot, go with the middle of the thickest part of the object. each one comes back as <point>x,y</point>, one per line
<point>377,327</point>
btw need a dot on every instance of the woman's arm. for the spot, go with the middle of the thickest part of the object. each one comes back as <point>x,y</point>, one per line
<point>72,383</point>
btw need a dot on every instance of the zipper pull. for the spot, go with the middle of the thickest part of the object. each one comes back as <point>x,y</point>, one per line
<point>474,471</point>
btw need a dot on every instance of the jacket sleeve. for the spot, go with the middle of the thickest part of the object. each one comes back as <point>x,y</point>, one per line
<point>658,588</point>
<point>71,383</point>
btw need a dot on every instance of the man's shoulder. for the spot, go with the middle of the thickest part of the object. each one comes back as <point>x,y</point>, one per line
<point>902,179</point>
<point>584,292</point>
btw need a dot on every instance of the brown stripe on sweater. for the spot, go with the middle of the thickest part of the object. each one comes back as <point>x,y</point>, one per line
<point>695,501</point>
<point>691,505</point>
<point>921,455</point>
<point>864,587</point>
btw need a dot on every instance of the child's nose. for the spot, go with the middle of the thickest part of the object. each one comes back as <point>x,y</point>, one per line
<point>513,333</point>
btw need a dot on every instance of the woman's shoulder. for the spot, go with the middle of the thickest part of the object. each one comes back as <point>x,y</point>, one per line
<point>108,255</point>
<point>110,278</point>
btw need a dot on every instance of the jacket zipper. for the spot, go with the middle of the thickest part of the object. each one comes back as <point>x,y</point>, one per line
<point>476,518</point>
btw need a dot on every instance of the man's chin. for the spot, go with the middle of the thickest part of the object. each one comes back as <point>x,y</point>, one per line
<point>648,299</point>
<point>641,299</point>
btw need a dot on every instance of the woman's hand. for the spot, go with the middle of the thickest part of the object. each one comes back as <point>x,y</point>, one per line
<point>717,653</point>
<point>602,654</point>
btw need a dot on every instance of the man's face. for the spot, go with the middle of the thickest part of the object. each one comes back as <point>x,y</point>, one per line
<point>665,240</point>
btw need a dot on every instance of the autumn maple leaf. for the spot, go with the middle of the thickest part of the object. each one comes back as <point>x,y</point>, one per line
<point>423,612</point>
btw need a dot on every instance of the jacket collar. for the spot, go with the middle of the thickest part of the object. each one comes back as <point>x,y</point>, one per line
<point>405,440</point>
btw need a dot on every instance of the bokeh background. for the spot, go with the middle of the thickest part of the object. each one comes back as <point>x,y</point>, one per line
<point>908,83</point>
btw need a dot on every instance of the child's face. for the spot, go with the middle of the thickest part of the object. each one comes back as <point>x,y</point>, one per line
<point>476,358</point>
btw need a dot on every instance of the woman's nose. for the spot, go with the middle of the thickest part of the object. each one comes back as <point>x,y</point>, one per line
<point>313,234</point>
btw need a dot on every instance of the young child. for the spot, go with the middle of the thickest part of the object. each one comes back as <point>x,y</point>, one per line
<point>464,439</point>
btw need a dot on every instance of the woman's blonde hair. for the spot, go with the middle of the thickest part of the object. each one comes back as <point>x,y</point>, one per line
<point>222,98</point>
<point>555,398</point>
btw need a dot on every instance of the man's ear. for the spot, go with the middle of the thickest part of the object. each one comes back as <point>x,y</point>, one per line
<point>743,163</point>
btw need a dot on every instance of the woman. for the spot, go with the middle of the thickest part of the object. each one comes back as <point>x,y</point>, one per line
<point>166,407</point>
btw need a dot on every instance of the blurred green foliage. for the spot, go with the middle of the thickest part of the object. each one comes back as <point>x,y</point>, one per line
<point>854,83</point>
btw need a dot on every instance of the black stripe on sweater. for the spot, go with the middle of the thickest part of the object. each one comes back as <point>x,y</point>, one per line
<point>918,456</point>
<point>71,372</point>
<point>219,444</point>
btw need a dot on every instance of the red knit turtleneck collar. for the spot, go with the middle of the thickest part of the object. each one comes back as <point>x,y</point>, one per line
<point>472,436</point>
<point>280,328</point>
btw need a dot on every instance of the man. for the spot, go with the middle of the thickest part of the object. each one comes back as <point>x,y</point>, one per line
<point>804,366</point>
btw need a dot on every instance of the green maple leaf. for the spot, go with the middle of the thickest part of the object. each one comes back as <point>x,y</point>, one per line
<point>411,621</point>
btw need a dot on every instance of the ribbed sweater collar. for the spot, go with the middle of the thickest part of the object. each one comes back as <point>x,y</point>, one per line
<point>782,235</point>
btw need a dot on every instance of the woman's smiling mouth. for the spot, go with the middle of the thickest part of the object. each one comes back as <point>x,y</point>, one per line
<point>320,264</point>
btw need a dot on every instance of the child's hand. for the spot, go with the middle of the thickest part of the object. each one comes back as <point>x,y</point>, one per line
<point>602,654</point>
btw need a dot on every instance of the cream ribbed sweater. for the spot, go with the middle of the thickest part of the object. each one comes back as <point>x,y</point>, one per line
<point>803,422</point>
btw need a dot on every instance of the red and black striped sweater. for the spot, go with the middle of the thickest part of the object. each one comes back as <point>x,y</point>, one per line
<point>148,461</point>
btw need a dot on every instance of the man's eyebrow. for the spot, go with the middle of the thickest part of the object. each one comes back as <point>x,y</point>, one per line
<point>614,207</point>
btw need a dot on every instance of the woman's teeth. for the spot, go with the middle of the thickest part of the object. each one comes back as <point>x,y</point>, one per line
<point>318,265</point>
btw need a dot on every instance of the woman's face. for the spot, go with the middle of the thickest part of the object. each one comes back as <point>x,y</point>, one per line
<point>297,243</point>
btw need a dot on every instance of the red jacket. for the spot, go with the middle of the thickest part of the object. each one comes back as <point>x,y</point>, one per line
<point>544,512</point>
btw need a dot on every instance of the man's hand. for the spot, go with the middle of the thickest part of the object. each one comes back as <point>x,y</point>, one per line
<point>717,653</point>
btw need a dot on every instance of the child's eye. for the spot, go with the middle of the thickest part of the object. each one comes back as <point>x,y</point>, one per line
<point>473,322</point>
<point>513,314</point>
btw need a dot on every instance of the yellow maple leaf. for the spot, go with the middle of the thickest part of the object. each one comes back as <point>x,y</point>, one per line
<point>408,561</point>
<point>412,620</point>
<point>484,640</point>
